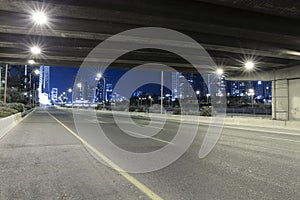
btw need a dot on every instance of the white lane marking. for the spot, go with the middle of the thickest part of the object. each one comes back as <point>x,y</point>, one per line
<point>264,131</point>
<point>96,121</point>
<point>283,139</point>
<point>146,137</point>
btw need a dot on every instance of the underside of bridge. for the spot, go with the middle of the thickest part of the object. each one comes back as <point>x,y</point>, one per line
<point>231,31</point>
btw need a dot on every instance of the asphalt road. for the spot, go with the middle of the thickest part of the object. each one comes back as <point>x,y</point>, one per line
<point>41,159</point>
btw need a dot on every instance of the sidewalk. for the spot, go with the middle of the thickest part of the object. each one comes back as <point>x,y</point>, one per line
<point>39,159</point>
<point>228,120</point>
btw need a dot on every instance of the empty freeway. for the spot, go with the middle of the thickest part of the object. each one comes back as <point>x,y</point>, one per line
<point>41,159</point>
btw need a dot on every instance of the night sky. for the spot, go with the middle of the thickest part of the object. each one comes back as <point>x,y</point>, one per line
<point>63,78</point>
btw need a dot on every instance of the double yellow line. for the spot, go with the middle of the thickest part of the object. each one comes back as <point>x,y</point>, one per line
<point>143,188</point>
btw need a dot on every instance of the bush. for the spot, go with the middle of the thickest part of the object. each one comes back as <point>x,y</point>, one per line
<point>28,107</point>
<point>17,106</point>
<point>99,106</point>
<point>177,110</point>
<point>131,109</point>
<point>141,109</point>
<point>6,111</point>
<point>206,111</point>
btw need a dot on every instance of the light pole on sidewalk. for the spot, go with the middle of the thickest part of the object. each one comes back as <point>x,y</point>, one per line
<point>5,84</point>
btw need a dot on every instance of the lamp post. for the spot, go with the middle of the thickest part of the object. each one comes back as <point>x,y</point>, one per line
<point>32,97</point>
<point>0,81</point>
<point>207,98</point>
<point>251,94</point>
<point>150,98</point>
<point>79,85</point>
<point>5,84</point>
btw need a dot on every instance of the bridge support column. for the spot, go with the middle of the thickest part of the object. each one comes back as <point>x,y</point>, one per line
<point>280,100</point>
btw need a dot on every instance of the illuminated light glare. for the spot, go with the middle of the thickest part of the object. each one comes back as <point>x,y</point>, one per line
<point>79,85</point>
<point>99,75</point>
<point>35,50</point>
<point>294,53</point>
<point>249,65</point>
<point>220,72</point>
<point>39,18</point>
<point>37,72</point>
<point>31,62</point>
<point>69,90</point>
<point>251,92</point>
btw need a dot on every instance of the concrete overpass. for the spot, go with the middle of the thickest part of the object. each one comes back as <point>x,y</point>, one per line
<point>231,32</point>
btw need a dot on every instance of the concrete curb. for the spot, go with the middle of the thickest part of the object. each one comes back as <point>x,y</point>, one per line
<point>251,122</point>
<point>8,123</point>
<point>229,121</point>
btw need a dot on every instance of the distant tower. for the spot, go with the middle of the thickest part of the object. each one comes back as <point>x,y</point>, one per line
<point>44,83</point>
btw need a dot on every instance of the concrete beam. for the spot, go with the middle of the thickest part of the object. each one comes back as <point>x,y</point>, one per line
<point>279,74</point>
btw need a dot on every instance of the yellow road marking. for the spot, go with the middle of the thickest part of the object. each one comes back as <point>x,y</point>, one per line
<point>131,179</point>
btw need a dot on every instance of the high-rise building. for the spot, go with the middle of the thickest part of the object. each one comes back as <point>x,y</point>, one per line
<point>99,91</point>
<point>182,90</point>
<point>262,89</point>
<point>44,84</point>
<point>109,90</point>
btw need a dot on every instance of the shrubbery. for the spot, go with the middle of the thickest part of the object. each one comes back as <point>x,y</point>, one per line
<point>17,106</point>
<point>206,111</point>
<point>12,108</point>
<point>6,111</point>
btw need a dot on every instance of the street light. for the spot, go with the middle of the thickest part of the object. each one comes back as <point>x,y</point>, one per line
<point>219,72</point>
<point>249,65</point>
<point>36,72</point>
<point>31,62</point>
<point>70,90</point>
<point>79,85</point>
<point>251,93</point>
<point>35,50</point>
<point>40,18</point>
<point>207,97</point>
<point>99,76</point>
<point>150,98</point>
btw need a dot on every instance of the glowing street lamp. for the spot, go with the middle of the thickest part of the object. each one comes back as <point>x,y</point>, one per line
<point>37,72</point>
<point>99,76</point>
<point>39,18</point>
<point>79,85</point>
<point>219,72</point>
<point>35,50</point>
<point>251,93</point>
<point>249,65</point>
<point>31,62</point>
<point>70,90</point>
<point>207,98</point>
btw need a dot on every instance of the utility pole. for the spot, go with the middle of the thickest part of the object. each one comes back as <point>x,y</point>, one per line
<point>161,92</point>
<point>0,82</point>
<point>5,83</point>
